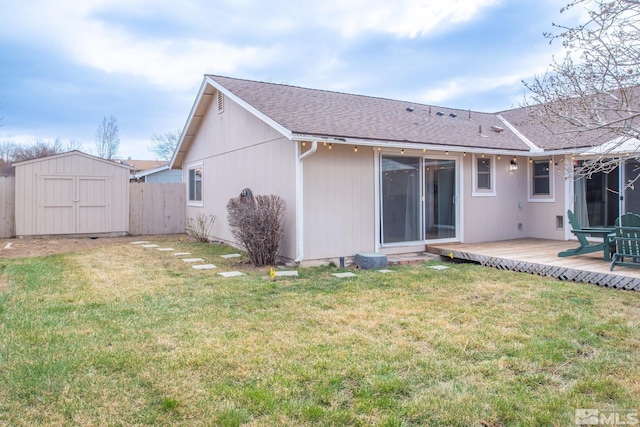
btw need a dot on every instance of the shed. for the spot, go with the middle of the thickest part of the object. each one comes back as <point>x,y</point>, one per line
<point>71,194</point>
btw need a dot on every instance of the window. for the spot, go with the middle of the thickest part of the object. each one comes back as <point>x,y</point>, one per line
<point>195,185</point>
<point>484,176</point>
<point>541,182</point>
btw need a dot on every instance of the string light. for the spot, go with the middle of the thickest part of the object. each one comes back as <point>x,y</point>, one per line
<point>355,150</point>
<point>402,151</point>
<point>330,145</point>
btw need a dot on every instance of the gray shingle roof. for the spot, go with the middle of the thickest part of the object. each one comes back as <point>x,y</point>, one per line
<point>334,114</point>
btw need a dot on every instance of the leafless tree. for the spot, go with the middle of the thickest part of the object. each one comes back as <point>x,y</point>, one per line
<point>592,94</point>
<point>37,149</point>
<point>108,138</point>
<point>164,145</point>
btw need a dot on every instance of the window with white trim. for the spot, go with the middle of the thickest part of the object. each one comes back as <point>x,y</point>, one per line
<point>541,178</point>
<point>195,185</point>
<point>484,176</point>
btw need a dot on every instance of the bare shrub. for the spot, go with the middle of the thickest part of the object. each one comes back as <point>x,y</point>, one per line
<point>257,223</point>
<point>200,226</point>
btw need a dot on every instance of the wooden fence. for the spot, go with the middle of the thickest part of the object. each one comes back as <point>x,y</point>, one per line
<point>7,207</point>
<point>157,208</point>
<point>153,208</point>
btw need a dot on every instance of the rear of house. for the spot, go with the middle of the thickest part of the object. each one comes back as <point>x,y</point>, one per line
<point>364,174</point>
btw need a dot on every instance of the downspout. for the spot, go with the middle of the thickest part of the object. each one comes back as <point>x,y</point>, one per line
<point>299,199</point>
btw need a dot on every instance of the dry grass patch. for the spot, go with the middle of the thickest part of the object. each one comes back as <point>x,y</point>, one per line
<point>128,335</point>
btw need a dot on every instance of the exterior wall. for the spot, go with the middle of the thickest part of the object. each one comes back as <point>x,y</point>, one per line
<point>339,202</point>
<point>68,168</point>
<point>543,214</point>
<point>237,151</point>
<point>168,176</point>
<point>494,218</point>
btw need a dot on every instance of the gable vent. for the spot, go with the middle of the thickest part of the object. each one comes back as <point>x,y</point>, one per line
<point>220,102</point>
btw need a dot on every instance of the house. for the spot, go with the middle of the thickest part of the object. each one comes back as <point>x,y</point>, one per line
<point>71,193</point>
<point>367,174</point>
<point>159,175</point>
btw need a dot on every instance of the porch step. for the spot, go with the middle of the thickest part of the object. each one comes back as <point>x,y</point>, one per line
<point>411,258</point>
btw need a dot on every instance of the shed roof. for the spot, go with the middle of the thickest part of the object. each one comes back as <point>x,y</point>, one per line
<point>72,153</point>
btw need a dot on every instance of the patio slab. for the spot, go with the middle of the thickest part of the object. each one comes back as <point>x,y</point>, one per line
<point>343,275</point>
<point>228,274</point>
<point>204,266</point>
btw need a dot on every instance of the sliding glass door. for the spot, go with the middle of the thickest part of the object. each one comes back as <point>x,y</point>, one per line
<point>440,206</point>
<point>418,199</point>
<point>600,199</point>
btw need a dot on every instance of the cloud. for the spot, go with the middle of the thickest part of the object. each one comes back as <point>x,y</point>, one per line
<point>85,31</point>
<point>408,18</point>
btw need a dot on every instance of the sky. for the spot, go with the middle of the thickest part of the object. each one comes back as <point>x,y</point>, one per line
<point>67,64</point>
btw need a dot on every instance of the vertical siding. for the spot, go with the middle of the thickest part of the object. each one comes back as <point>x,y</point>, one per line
<point>101,188</point>
<point>7,207</point>
<point>239,151</point>
<point>339,202</point>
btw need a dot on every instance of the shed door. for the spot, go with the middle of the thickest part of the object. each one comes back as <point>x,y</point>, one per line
<point>56,207</point>
<point>73,205</point>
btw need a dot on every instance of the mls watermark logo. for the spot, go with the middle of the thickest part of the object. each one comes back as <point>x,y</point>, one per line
<point>596,417</point>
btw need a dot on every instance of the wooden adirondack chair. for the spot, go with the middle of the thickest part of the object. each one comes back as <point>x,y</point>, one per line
<point>627,241</point>
<point>587,247</point>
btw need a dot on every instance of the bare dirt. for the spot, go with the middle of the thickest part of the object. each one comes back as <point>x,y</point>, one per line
<point>41,246</point>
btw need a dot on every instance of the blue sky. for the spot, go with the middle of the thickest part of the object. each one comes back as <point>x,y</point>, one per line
<point>66,64</point>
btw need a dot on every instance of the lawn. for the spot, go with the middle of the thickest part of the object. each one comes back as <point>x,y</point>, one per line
<point>122,335</point>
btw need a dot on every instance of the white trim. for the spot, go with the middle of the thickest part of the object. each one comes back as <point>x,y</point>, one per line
<point>268,120</point>
<point>534,148</point>
<point>195,203</point>
<point>481,192</point>
<point>545,198</point>
<point>376,199</point>
<point>299,205</point>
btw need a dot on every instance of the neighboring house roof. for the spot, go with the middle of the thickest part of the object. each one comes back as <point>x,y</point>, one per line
<point>144,173</point>
<point>143,165</point>
<point>73,153</point>
<point>306,114</point>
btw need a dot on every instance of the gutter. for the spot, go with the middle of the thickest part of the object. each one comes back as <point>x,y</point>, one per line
<point>299,198</point>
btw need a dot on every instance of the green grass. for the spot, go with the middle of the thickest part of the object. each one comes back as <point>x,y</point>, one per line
<point>129,336</point>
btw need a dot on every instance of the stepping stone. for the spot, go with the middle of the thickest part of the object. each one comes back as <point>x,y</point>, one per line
<point>203,266</point>
<point>140,242</point>
<point>182,253</point>
<point>192,259</point>
<point>230,256</point>
<point>150,246</point>
<point>385,271</point>
<point>165,249</point>
<point>286,274</point>
<point>343,275</point>
<point>231,274</point>
<point>438,267</point>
